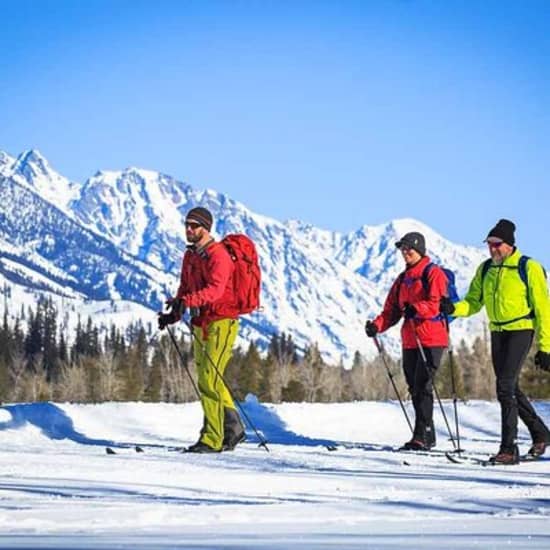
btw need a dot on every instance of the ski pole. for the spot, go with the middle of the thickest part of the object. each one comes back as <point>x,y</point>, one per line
<point>263,442</point>
<point>183,362</point>
<point>425,361</point>
<point>453,384</point>
<point>382,353</point>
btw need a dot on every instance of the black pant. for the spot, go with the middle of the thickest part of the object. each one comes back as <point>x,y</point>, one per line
<point>509,350</point>
<point>419,375</point>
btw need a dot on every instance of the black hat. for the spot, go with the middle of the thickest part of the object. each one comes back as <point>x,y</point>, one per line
<point>200,215</point>
<point>413,240</point>
<point>504,230</point>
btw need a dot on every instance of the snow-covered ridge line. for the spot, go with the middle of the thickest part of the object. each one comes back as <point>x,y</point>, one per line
<point>318,285</point>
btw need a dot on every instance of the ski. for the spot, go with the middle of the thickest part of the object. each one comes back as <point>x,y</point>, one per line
<point>387,448</point>
<point>141,448</point>
<point>468,459</point>
<point>531,458</point>
<point>359,446</point>
<point>432,452</point>
<point>112,451</point>
<point>127,448</point>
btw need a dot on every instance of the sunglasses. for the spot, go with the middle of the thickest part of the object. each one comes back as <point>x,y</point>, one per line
<point>496,244</point>
<point>192,225</point>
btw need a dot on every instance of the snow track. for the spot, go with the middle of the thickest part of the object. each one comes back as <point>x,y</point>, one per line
<point>59,489</point>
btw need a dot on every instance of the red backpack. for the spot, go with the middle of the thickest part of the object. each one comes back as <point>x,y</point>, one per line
<point>247,271</point>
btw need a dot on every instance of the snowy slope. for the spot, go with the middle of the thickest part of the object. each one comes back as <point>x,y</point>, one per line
<point>317,285</point>
<point>32,170</point>
<point>6,162</point>
<point>36,235</point>
<point>60,490</point>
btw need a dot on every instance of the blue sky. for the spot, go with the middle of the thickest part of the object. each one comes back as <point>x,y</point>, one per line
<point>337,113</point>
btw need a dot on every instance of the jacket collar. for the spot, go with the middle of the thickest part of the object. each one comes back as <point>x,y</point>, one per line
<point>513,259</point>
<point>418,267</point>
<point>201,250</point>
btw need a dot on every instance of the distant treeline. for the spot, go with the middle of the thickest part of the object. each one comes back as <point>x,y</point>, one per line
<point>38,364</point>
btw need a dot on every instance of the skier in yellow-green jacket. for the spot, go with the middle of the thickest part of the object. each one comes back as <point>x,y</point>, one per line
<point>514,291</point>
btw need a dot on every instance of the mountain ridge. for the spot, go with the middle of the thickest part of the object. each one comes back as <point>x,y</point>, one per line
<point>318,285</point>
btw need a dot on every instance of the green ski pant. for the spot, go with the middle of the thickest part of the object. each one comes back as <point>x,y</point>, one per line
<point>217,348</point>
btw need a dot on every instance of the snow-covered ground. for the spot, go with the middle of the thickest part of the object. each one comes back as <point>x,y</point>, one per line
<point>59,489</point>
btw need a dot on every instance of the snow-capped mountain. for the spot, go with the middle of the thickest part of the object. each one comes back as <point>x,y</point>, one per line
<point>30,169</point>
<point>5,162</point>
<point>121,235</point>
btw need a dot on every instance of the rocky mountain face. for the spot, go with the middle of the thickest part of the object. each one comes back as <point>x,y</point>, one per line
<point>118,238</point>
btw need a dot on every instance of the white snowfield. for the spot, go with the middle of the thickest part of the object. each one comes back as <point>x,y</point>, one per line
<point>59,488</point>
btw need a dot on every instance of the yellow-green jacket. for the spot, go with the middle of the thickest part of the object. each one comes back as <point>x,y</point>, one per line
<point>504,296</point>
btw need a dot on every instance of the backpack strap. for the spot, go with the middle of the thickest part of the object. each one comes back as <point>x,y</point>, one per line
<point>424,277</point>
<point>522,270</point>
<point>484,270</point>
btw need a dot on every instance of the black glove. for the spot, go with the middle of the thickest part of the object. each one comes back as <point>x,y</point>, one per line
<point>409,311</point>
<point>370,329</point>
<point>177,309</point>
<point>446,307</point>
<point>165,319</point>
<point>542,360</point>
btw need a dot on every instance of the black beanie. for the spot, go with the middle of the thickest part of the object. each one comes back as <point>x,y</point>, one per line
<point>504,230</point>
<point>200,215</point>
<point>413,240</point>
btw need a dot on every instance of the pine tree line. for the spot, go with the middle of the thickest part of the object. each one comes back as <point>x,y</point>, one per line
<point>38,364</point>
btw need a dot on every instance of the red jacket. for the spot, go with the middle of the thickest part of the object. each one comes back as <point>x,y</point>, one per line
<point>206,282</point>
<point>408,288</point>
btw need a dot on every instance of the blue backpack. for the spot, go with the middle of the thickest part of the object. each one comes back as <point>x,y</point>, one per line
<point>451,286</point>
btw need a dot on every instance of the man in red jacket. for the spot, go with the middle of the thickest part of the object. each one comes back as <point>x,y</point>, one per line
<point>207,289</point>
<point>415,295</point>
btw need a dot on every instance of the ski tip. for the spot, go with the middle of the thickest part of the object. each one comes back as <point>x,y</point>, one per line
<point>452,458</point>
<point>331,447</point>
<point>531,458</point>
<point>110,451</point>
<point>264,445</point>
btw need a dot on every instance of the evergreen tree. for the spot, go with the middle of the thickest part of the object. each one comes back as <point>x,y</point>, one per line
<point>266,389</point>
<point>34,344</point>
<point>5,357</point>
<point>250,372</point>
<point>78,348</point>
<point>135,365</point>
<point>50,356</point>
<point>91,339</point>
<point>63,350</point>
